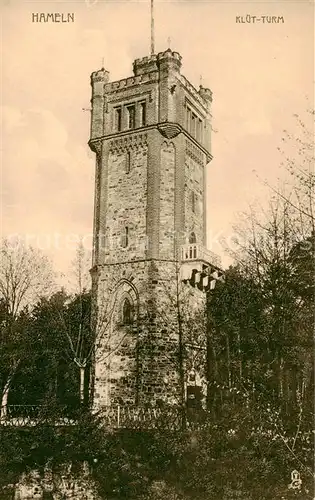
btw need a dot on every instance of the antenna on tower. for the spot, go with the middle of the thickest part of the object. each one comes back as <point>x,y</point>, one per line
<point>152,27</point>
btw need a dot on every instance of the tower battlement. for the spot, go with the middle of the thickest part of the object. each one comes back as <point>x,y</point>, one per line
<point>146,69</point>
<point>205,93</point>
<point>129,82</point>
<point>169,61</point>
<point>156,95</point>
<point>145,65</point>
<point>157,62</point>
<point>99,76</point>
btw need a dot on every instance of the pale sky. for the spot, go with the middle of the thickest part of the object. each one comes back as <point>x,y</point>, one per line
<point>259,73</point>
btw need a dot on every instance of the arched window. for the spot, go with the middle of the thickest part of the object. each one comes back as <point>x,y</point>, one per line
<point>127,312</point>
<point>192,238</point>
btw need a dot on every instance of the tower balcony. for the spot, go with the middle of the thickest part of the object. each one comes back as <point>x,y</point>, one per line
<point>200,266</point>
<point>194,252</point>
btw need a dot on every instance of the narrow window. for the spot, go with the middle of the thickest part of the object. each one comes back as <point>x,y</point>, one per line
<point>142,114</point>
<point>192,238</point>
<point>127,312</point>
<point>124,238</point>
<point>131,116</point>
<point>193,124</point>
<point>128,162</point>
<point>118,119</point>
<point>188,119</point>
<point>193,201</point>
<point>199,130</point>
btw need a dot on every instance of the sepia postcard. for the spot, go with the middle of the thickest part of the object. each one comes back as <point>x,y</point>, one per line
<point>157,250</point>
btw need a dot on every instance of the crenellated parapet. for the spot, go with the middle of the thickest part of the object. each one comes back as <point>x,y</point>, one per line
<point>146,70</point>
<point>145,65</point>
<point>171,102</point>
<point>169,61</point>
<point>205,93</point>
<point>132,81</point>
<point>203,96</point>
<point>102,75</point>
<point>166,60</point>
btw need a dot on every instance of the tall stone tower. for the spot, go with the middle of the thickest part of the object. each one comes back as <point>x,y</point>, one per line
<point>151,136</point>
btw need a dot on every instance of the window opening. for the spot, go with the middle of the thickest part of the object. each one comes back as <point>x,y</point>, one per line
<point>193,201</point>
<point>142,114</point>
<point>118,119</point>
<point>192,238</point>
<point>128,162</point>
<point>131,116</point>
<point>124,238</point>
<point>127,312</point>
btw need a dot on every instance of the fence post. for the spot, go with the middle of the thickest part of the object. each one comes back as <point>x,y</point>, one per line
<point>4,411</point>
<point>118,416</point>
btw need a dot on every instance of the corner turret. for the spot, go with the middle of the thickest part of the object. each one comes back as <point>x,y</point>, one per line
<point>145,65</point>
<point>98,79</point>
<point>169,61</point>
<point>206,95</point>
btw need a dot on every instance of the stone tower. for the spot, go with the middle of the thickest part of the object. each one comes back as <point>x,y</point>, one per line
<point>151,136</point>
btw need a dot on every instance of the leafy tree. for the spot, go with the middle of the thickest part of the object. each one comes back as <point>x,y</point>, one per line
<point>261,333</point>
<point>49,377</point>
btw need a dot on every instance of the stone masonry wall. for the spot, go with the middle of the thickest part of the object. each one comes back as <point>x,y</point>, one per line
<point>167,200</point>
<point>194,186</point>
<point>116,357</point>
<point>181,307</point>
<point>54,487</point>
<point>126,204</point>
<point>139,364</point>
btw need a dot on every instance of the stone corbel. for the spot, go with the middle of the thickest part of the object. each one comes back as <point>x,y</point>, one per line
<point>96,146</point>
<point>212,284</point>
<point>197,278</point>
<point>205,281</point>
<point>169,129</point>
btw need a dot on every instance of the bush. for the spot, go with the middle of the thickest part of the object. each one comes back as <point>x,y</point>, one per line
<point>219,461</point>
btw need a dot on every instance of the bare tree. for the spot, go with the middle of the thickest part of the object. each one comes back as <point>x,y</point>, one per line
<point>79,342</point>
<point>25,276</point>
<point>300,165</point>
<point>88,335</point>
<point>297,151</point>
